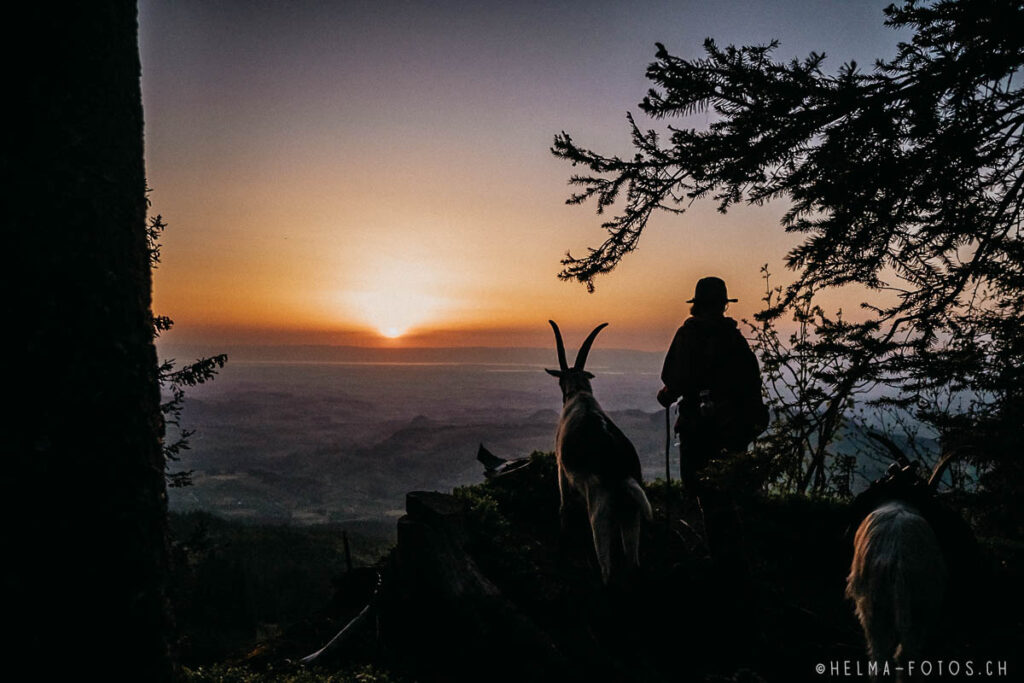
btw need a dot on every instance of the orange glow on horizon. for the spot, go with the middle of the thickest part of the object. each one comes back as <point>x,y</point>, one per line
<point>394,295</point>
<point>326,189</point>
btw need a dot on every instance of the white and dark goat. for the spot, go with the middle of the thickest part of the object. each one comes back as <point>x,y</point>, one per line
<point>898,576</point>
<point>596,459</point>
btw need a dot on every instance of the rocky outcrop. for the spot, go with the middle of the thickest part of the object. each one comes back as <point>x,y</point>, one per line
<point>446,616</point>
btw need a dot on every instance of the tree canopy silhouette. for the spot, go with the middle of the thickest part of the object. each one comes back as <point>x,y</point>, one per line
<point>905,179</point>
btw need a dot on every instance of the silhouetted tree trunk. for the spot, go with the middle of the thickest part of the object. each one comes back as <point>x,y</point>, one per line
<point>84,496</point>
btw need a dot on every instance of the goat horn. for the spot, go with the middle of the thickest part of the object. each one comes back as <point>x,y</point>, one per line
<point>894,450</point>
<point>943,464</point>
<point>581,357</point>
<point>563,364</point>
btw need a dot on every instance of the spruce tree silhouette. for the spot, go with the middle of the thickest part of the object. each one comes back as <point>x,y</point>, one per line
<point>906,181</point>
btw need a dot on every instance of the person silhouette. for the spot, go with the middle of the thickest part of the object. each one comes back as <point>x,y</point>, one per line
<point>711,368</point>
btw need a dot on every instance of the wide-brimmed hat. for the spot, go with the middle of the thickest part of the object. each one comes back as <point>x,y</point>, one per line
<point>711,290</point>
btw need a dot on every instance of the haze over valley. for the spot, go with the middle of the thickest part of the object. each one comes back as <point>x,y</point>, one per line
<point>334,434</point>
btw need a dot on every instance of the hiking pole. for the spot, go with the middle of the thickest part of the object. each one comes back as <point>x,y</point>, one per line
<point>668,444</point>
<point>668,475</point>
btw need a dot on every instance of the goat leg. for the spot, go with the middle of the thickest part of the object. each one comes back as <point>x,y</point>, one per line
<point>563,489</point>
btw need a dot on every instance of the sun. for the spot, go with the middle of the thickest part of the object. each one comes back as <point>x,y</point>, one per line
<point>393,312</point>
<point>398,295</point>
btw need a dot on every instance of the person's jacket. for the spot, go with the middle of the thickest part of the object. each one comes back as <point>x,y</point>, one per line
<point>711,354</point>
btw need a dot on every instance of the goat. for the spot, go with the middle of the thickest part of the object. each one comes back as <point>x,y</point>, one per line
<point>596,459</point>
<point>897,581</point>
<point>899,573</point>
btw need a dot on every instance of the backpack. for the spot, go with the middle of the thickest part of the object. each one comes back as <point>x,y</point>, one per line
<point>731,375</point>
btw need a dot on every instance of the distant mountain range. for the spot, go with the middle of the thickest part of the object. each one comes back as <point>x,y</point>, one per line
<point>315,434</point>
<point>341,434</point>
<point>621,359</point>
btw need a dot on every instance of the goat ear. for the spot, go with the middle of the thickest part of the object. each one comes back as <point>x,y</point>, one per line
<point>554,373</point>
<point>588,374</point>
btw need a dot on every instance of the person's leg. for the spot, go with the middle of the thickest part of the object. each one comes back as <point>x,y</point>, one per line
<point>694,453</point>
<point>724,531</point>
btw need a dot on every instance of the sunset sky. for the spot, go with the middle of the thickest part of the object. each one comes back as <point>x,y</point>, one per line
<point>341,172</point>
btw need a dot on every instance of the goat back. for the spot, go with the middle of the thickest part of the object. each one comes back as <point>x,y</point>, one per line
<point>596,447</point>
<point>898,572</point>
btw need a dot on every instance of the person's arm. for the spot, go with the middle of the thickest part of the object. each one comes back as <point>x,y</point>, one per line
<point>674,370</point>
